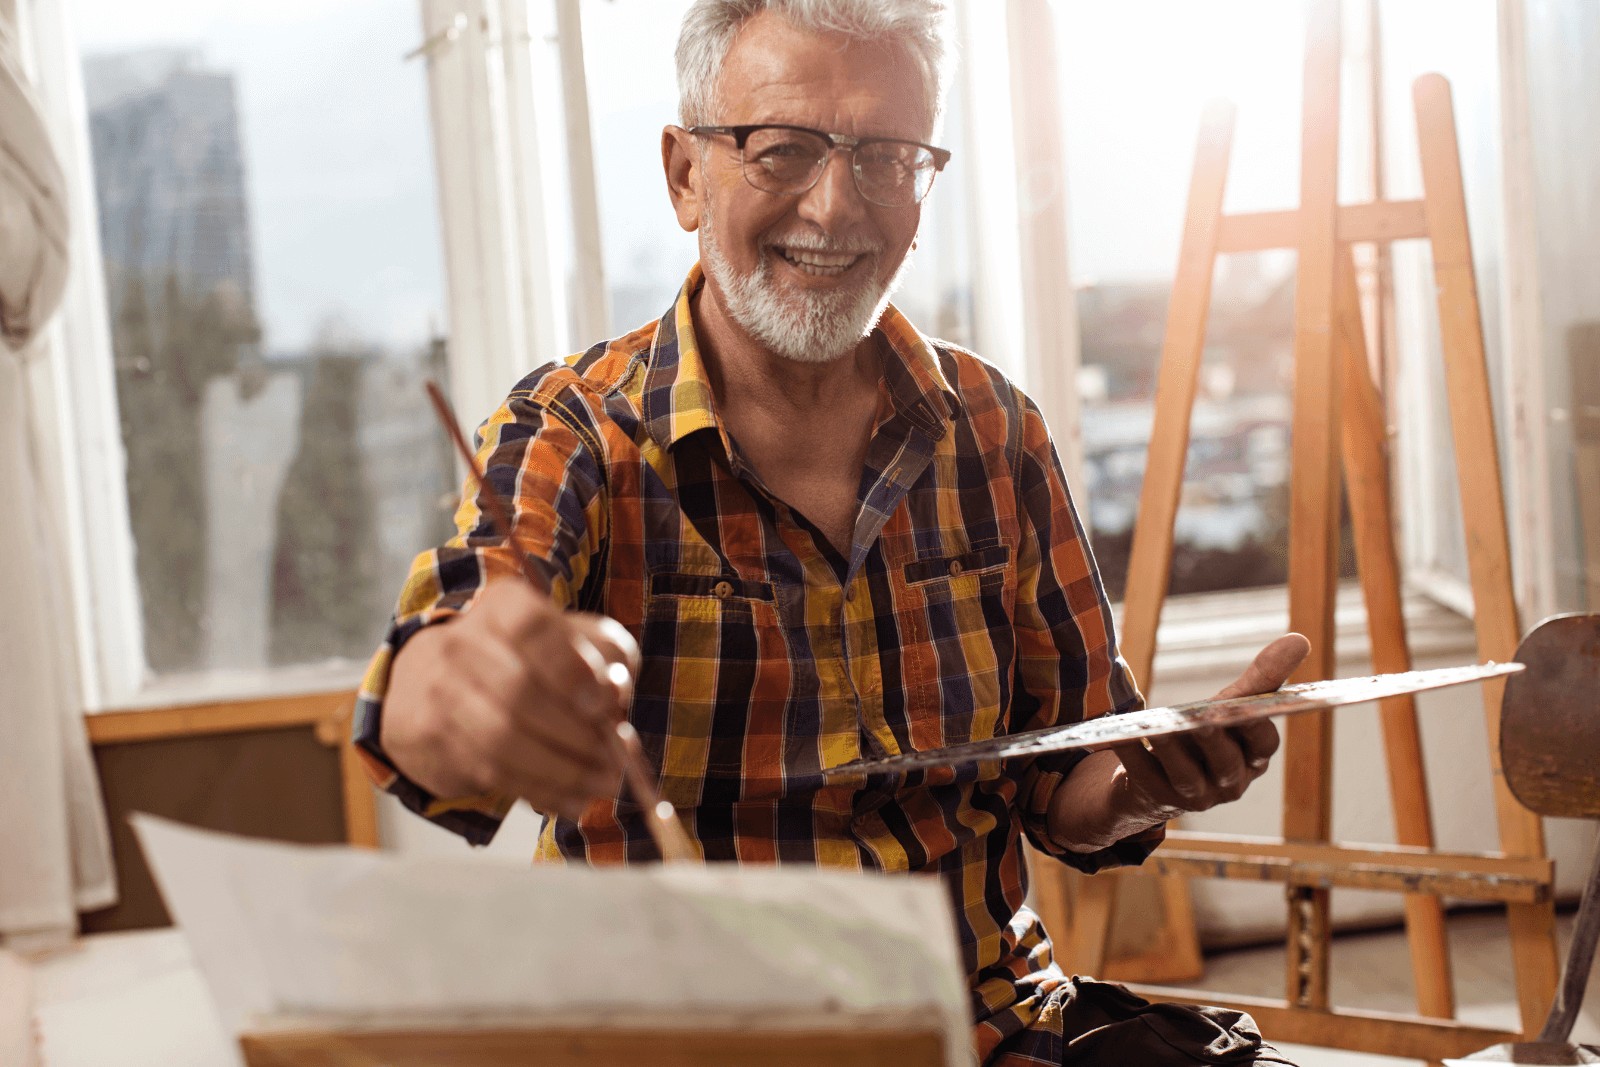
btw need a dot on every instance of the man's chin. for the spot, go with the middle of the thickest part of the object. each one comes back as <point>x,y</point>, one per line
<point>802,323</point>
<point>826,344</point>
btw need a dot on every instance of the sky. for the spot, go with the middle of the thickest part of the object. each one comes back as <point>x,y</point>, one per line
<point>339,166</point>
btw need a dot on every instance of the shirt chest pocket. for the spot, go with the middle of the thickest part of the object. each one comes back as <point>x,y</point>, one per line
<point>957,632</point>
<point>710,698</point>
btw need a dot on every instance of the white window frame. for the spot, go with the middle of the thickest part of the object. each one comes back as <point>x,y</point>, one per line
<point>503,289</point>
<point>1530,509</point>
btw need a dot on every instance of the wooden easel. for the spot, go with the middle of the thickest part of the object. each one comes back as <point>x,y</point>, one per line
<point>1338,415</point>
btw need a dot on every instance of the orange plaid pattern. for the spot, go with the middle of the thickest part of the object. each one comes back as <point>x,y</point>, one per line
<point>967,606</point>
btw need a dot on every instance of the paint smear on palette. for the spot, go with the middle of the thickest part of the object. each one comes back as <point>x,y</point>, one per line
<point>1109,730</point>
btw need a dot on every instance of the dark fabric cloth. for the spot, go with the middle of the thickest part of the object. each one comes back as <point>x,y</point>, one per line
<point>1086,1023</point>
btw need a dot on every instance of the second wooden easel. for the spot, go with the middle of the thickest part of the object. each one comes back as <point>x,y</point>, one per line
<point>1338,417</point>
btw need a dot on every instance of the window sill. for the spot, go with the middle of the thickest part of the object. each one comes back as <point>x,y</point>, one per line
<point>222,687</point>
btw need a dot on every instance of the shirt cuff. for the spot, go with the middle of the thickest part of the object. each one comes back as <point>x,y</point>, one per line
<point>1039,785</point>
<point>474,818</point>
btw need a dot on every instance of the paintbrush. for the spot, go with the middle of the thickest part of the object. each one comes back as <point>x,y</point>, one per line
<point>662,821</point>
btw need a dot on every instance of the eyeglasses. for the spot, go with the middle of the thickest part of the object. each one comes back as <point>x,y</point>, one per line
<point>789,159</point>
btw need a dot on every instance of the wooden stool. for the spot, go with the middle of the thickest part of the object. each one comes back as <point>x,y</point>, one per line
<point>1550,750</point>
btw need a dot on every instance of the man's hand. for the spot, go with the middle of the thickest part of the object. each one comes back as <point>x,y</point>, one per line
<point>1196,771</point>
<point>515,697</point>
<point>1116,793</point>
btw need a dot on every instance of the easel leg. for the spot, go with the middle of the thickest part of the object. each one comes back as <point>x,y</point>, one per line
<point>1367,484</point>
<point>1092,905</point>
<point>1533,944</point>
<point>1314,492</point>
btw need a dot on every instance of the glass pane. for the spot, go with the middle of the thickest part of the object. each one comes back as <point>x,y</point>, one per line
<point>1135,78</point>
<point>646,253</point>
<point>1468,55</point>
<point>1566,172</point>
<point>268,222</point>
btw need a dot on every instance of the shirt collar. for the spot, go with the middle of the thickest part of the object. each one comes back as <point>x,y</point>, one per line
<point>677,398</point>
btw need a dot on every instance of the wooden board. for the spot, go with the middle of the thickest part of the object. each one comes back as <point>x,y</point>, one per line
<point>753,1047</point>
<point>1468,875</point>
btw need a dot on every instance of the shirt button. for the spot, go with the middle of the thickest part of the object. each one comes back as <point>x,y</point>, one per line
<point>850,594</point>
<point>955,567</point>
<point>722,590</point>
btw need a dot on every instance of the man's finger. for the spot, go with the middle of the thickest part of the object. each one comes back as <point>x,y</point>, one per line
<point>1258,741</point>
<point>610,637</point>
<point>1170,770</point>
<point>1271,667</point>
<point>616,646</point>
<point>1224,760</point>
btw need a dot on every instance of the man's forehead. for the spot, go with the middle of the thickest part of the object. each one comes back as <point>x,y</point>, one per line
<point>777,71</point>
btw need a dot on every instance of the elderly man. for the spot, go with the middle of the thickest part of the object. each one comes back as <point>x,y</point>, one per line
<point>779,530</point>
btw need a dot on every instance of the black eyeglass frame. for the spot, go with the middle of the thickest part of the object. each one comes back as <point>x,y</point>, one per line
<point>741,135</point>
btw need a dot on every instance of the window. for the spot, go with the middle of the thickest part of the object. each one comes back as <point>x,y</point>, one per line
<point>268,234</point>
<point>1425,471</point>
<point>1132,102</point>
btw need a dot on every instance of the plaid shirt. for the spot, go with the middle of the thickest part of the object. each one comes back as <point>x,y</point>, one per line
<point>968,606</point>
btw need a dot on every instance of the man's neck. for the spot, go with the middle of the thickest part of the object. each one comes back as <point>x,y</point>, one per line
<point>744,372</point>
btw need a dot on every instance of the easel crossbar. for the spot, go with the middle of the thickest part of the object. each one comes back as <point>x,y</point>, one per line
<point>1373,1032</point>
<point>1469,876</point>
<point>1376,221</point>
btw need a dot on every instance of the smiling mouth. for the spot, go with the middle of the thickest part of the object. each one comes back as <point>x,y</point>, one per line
<point>818,264</point>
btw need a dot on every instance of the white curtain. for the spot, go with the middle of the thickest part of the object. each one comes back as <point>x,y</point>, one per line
<point>54,849</point>
<point>55,856</point>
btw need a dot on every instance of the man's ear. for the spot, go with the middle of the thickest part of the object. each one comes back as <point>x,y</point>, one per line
<point>680,157</point>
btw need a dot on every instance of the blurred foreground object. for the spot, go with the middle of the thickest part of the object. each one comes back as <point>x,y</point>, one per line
<point>327,955</point>
<point>1550,749</point>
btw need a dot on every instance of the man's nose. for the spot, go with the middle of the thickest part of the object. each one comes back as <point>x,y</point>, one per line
<point>834,199</point>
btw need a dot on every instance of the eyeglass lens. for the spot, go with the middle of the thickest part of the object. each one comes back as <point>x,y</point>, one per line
<point>891,173</point>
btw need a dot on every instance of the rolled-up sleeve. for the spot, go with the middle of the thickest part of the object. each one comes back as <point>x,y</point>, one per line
<point>538,457</point>
<point>1067,665</point>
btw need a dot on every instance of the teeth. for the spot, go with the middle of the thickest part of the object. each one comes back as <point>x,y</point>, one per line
<point>818,262</point>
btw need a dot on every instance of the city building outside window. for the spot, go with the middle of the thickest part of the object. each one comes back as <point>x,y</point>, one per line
<point>269,244</point>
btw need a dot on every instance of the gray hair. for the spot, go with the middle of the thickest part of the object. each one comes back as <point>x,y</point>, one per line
<point>710,27</point>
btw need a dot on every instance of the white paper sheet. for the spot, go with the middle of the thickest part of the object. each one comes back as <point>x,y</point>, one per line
<point>349,937</point>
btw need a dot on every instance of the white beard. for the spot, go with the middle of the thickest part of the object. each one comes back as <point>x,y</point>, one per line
<point>800,326</point>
